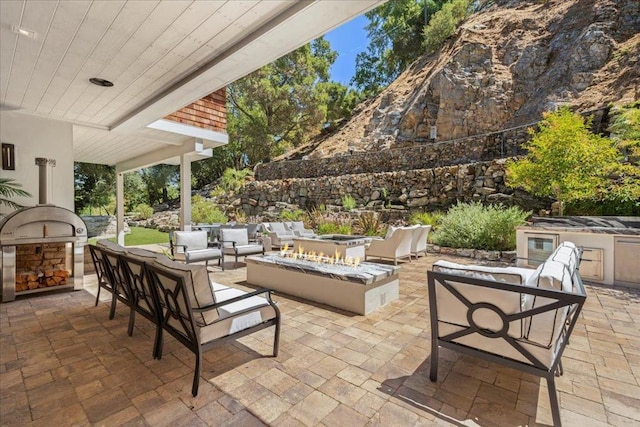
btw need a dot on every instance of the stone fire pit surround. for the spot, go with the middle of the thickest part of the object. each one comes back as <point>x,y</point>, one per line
<point>359,289</point>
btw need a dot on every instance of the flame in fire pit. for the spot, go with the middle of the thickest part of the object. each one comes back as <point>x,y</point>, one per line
<point>319,257</point>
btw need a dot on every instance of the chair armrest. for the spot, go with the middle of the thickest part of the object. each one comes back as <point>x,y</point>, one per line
<point>233,242</point>
<point>236,299</point>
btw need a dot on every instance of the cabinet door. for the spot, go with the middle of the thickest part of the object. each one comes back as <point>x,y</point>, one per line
<point>592,264</point>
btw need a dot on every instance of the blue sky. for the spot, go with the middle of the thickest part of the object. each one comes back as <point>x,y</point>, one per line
<point>348,40</point>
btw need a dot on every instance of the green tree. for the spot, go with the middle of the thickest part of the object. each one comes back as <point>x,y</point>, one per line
<point>94,186</point>
<point>280,105</point>
<point>444,23</point>
<point>625,130</point>
<point>565,161</point>
<point>159,180</point>
<point>135,191</point>
<point>10,188</point>
<point>395,41</point>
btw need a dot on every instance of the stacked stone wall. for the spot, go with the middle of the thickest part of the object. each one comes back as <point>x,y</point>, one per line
<point>420,155</point>
<point>434,188</point>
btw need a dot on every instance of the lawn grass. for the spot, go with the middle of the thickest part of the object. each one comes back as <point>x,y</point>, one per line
<point>140,236</point>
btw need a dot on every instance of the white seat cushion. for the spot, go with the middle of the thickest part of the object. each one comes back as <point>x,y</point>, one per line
<point>236,316</point>
<point>193,240</point>
<point>544,328</point>
<point>199,288</point>
<point>244,250</point>
<point>452,310</point>
<point>203,255</point>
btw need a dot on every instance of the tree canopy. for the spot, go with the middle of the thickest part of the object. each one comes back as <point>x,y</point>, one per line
<point>566,161</point>
<point>395,32</point>
<point>282,104</point>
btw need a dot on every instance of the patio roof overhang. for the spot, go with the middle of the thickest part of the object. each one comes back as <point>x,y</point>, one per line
<point>161,55</point>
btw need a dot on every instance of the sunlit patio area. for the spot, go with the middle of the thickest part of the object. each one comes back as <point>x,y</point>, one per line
<point>63,362</point>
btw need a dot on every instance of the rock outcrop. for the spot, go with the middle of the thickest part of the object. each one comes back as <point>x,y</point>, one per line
<point>504,67</point>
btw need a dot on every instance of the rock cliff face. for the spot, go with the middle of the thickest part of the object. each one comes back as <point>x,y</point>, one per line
<point>504,67</point>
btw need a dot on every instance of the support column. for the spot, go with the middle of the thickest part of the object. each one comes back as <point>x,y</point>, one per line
<point>185,192</point>
<point>120,207</point>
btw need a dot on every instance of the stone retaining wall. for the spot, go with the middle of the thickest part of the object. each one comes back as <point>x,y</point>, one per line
<point>424,155</point>
<point>436,188</point>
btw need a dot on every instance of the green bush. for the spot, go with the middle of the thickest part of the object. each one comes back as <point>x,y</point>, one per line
<point>480,227</point>
<point>233,179</point>
<point>334,228</point>
<point>204,211</point>
<point>444,22</point>
<point>143,211</point>
<point>348,202</point>
<point>289,215</point>
<point>426,218</point>
<point>369,224</point>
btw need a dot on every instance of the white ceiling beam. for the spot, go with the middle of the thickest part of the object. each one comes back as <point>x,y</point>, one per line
<point>195,147</point>
<point>194,131</point>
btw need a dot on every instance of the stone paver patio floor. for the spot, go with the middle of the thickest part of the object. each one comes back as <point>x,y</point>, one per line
<point>62,362</point>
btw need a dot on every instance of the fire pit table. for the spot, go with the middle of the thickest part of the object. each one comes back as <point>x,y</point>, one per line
<point>342,244</point>
<point>360,288</point>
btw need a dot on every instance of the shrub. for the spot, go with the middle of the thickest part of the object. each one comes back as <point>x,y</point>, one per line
<point>334,228</point>
<point>426,218</point>
<point>289,215</point>
<point>204,211</point>
<point>480,227</point>
<point>234,179</point>
<point>143,211</point>
<point>369,224</point>
<point>348,202</point>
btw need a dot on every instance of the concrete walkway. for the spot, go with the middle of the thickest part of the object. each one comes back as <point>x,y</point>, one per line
<point>62,362</point>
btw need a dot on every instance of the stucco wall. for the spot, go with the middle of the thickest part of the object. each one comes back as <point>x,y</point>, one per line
<point>39,137</point>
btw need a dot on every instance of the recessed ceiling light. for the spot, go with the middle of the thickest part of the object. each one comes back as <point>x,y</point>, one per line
<point>23,32</point>
<point>100,82</point>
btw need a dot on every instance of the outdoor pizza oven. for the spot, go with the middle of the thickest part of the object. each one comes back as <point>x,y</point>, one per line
<point>42,246</point>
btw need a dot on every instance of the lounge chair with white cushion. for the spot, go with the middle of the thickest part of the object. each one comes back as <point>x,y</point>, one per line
<point>395,246</point>
<point>297,227</point>
<point>518,317</point>
<point>419,240</point>
<point>235,241</point>
<point>193,246</point>
<point>280,235</point>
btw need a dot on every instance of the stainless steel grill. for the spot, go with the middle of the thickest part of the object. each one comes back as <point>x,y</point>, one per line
<point>40,225</point>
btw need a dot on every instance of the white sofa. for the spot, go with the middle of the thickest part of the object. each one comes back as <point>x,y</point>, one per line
<point>279,234</point>
<point>297,228</point>
<point>396,245</point>
<point>518,317</point>
<point>182,300</point>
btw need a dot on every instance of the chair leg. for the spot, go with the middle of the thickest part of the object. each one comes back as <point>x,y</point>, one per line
<point>196,375</point>
<point>98,296</point>
<point>114,301</point>
<point>157,343</point>
<point>276,339</point>
<point>553,399</point>
<point>433,375</point>
<point>132,320</point>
